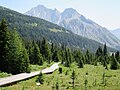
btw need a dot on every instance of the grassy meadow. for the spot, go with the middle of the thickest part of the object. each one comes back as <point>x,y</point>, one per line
<point>93,75</point>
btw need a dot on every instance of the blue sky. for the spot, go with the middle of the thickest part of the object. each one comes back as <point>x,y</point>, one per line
<point>104,12</point>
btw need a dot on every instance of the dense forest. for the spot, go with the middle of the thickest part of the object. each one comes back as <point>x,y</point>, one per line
<point>17,54</point>
<point>32,28</point>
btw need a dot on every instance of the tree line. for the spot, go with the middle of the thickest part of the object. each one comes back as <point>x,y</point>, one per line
<point>16,54</point>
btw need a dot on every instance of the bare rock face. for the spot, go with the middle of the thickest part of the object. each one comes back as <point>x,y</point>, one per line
<point>77,23</point>
<point>116,32</point>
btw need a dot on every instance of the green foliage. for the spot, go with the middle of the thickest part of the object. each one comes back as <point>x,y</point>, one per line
<point>46,51</point>
<point>57,85</point>
<point>85,82</point>
<point>103,79</point>
<point>99,52</point>
<point>56,56</point>
<point>73,77</point>
<point>60,70</point>
<point>4,74</point>
<point>4,45</point>
<point>68,58</point>
<point>14,58</point>
<point>114,63</point>
<point>36,56</point>
<point>105,50</point>
<point>40,78</point>
<point>95,73</point>
<point>79,59</point>
<point>117,56</point>
<point>18,57</point>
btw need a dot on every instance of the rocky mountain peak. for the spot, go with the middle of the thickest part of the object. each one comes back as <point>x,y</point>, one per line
<point>70,12</point>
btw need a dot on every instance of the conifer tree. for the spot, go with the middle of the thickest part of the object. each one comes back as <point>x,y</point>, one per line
<point>17,55</point>
<point>4,44</point>
<point>87,57</point>
<point>56,56</point>
<point>80,63</point>
<point>46,53</point>
<point>37,56</point>
<point>67,59</point>
<point>99,52</point>
<point>40,78</point>
<point>105,50</point>
<point>117,56</point>
<point>79,59</point>
<point>114,63</point>
<point>13,57</point>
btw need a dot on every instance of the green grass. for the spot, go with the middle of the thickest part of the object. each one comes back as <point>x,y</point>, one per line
<point>89,72</point>
<point>37,67</point>
<point>4,74</point>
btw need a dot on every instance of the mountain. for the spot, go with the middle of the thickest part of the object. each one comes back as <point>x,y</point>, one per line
<point>116,32</point>
<point>77,23</point>
<point>45,13</point>
<point>33,28</point>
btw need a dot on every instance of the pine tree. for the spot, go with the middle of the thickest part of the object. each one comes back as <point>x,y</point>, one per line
<point>79,59</point>
<point>13,56</point>
<point>99,52</point>
<point>114,63</point>
<point>40,78</point>
<point>87,57</point>
<point>117,56</point>
<point>17,55</point>
<point>105,50</point>
<point>4,44</point>
<point>67,61</point>
<point>56,56</point>
<point>46,53</point>
<point>80,63</point>
<point>37,56</point>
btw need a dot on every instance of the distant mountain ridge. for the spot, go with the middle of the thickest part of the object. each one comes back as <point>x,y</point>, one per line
<point>77,23</point>
<point>116,32</point>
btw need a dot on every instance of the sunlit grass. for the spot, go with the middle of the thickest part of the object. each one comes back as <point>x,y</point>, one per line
<point>92,73</point>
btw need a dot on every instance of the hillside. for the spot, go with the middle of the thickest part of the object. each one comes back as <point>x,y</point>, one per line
<point>31,28</point>
<point>77,23</point>
<point>116,32</point>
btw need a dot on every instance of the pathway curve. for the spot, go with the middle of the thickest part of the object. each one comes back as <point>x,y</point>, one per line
<point>23,76</point>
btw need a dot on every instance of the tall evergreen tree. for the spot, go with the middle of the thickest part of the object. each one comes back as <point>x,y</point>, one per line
<point>80,63</point>
<point>40,78</point>
<point>4,45</point>
<point>37,56</point>
<point>117,56</point>
<point>99,52</point>
<point>79,59</point>
<point>56,56</point>
<point>114,63</point>
<point>17,55</point>
<point>105,50</point>
<point>87,57</point>
<point>13,56</point>
<point>68,57</point>
<point>46,53</point>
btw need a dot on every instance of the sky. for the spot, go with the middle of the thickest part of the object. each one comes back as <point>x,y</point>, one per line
<point>104,12</point>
